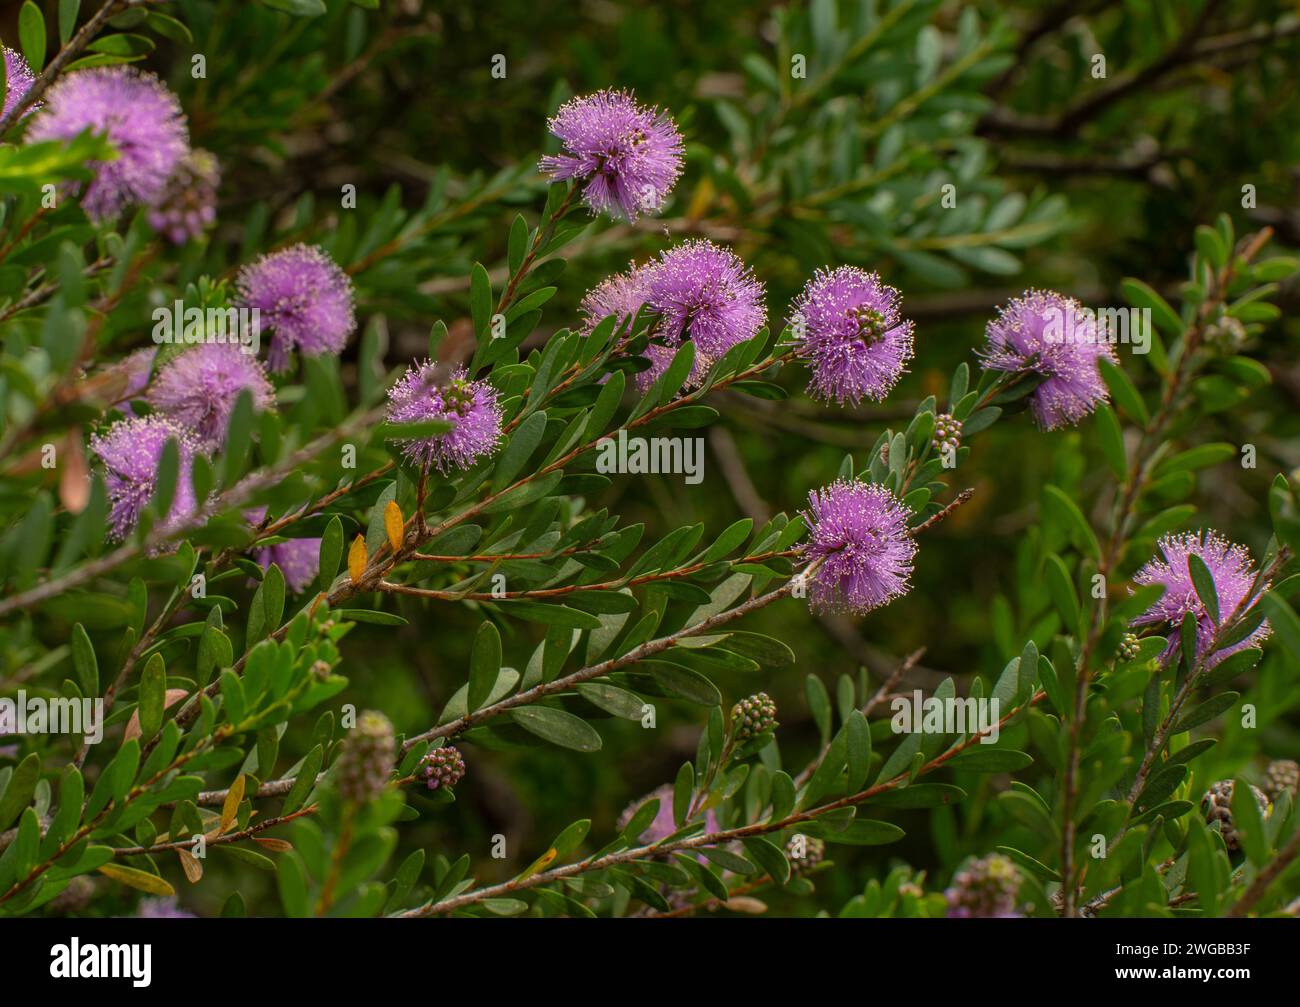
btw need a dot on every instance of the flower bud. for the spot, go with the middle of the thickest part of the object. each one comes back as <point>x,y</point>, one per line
<point>366,760</point>
<point>442,767</point>
<point>752,716</point>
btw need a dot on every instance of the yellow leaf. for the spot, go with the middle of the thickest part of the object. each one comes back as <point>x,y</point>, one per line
<point>357,558</point>
<point>540,864</point>
<point>142,880</point>
<point>191,866</point>
<point>230,808</point>
<point>393,524</point>
<point>274,845</point>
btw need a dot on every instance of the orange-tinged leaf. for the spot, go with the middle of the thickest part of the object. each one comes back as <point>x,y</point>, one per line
<point>191,866</point>
<point>393,524</point>
<point>357,558</point>
<point>274,845</point>
<point>171,698</point>
<point>140,880</point>
<point>541,863</point>
<point>230,808</point>
<point>74,474</point>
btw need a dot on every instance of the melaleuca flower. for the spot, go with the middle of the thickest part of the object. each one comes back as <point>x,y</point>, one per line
<point>704,293</point>
<point>804,852</point>
<point>858,537</point>
<point>662,826</point>
<point>132,376</point>
<point>18,79</point>
<point>621,295</point>
<point>297,558</point>
<point>986,888</point>
<point>188,205</point>
<point>626,156</point>
<point>1053,336</point>
<point>198,389</point>
<point>366,759</point>
<point>442,768</point>
<point>430,392</point>
<point>304,297</point>
<point>130,451</point>
<point>141,118</point>
<point>1233,573</point>
<point>848,328</point>
<point>165,908</point>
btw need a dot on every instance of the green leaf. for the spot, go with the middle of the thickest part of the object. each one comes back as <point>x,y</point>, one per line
<point>1205,712</point>
<point>304,781</point>
<point>683,790</point>
<point>860,832</point>
<point>1067,514</point>
<point>857,734</point>
<point>1124,391</point>
<point>557,727</point>
<point>520,447</point>
<point>331,552</point>
<point>31,35</point>
<point>18,792</point>
<point>84,661</point>
<point>769,857</point>
<point>1061,589</point>
<point>1248,822</point>
<point>1203,581</point>
<point>1111,439</point>
<point>1283,619</point>
<point>480,301</point>
<point>1142,295</point>
<point>153,689</point>
<point>484,664</point>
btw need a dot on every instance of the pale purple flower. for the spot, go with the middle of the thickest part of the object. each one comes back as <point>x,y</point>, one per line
<point>628,155</point>
<point>662,825</point>
<point>297,558</point>
<point>1232,570</point>
<point>165,908</point>
<point>704,293</point>
<point>621,295</point>
<point>858,536</point>
<point>137,370</point>
<point>141,118</point>
<point>18,79</point>
<point>188,205</point>
<point>130,451</point>
<point>430,392</point>
<point>198,389</point>
<point>848,327</point>
<point>987,888</point>
<point>1051,335</point>
<point>305,297</point>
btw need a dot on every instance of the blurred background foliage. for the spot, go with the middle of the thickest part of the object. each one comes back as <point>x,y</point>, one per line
<point>1063,179</point>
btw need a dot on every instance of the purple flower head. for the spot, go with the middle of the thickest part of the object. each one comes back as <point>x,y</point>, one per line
<point>188,206</point>
<point>198,389</point>
<point>165,908</point>
<point>131,450</point>
<point>621,295</point>
<point>1233,573</point>
<point>706,294</point>
<point>430,392</point>
<point>858,532</point>
<point>141,118</point>
<point>1054,336</point>
<point>136,369</point>
<point>305,297</point>
<point>848,328</point>
<point>18,78</point>
<point>985,889</point>
<point>663,825</point>
<point>628,155</point>
<point>297,558</point>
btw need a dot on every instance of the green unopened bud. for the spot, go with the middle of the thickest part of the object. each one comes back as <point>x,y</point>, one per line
<point>753,715</point>
<point>1129,646</point>
<point>366,759</point>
